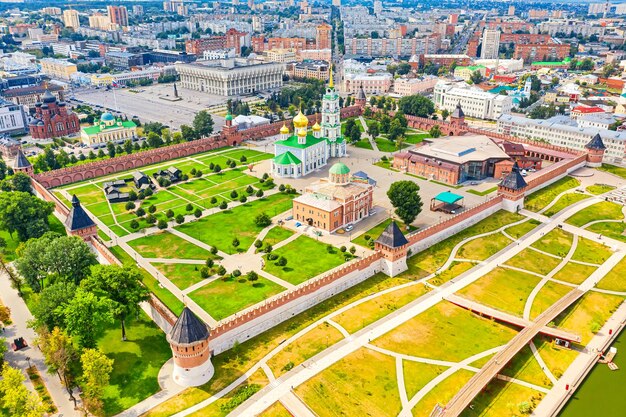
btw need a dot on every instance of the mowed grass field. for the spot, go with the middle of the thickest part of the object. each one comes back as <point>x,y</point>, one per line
<point>182,198</point>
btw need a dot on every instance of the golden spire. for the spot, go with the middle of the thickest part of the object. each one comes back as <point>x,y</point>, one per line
<point>331,84</point>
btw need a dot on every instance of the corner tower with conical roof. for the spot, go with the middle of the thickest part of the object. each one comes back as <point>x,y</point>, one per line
<point>22,164</point>
<point>78,222</point>
<point>394,247</point>
<point>189,340</point>
<point>595,151</point>
<point>512,189</point>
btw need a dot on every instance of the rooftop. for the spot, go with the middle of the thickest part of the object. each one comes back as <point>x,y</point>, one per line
<point>462,149</point>
<point>188,329</point>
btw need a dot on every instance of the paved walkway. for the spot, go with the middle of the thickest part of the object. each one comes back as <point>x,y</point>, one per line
<point>20,315</point>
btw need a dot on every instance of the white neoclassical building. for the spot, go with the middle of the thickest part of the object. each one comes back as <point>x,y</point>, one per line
<point>231,77</point>
<point>108,128</point>
<point>304,152</point>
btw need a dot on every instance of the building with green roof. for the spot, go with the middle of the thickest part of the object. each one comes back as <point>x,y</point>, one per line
<point>305,151</point>
<point>108,128</point>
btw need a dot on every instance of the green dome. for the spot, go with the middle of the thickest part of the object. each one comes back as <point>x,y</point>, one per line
<point>229,116</point>
<point>339,169</point>
<point>107,117</point>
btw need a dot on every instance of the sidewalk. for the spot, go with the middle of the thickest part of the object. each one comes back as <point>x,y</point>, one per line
<point>21,316</point>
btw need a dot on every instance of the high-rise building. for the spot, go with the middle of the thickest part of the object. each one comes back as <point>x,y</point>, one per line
<point>337,3</point>
<point>70,19</point>
<point>511,10</point>
<point>138,10</point>
<point>118,15</point>
<point>378,7</point>
<point>251,4</point>
<point>490,44</point>
<point>52,11</point>
<point>322,36</point>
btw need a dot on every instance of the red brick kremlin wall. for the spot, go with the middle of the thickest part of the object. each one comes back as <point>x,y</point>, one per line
<point>82,172</point>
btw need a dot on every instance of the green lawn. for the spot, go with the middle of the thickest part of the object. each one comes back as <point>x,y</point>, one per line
<point>521,229</point>
<point>534,261</point>
<point>483,247</point>
<point>306,258</point>
<point>525,367</point>
<point>363,144</point>
<point>482,193</point>
<point>361,384</point>
<point>221,228</point>
<point>565,201</point>
<point>386,145</point>
<point>574,273</point>
<point>615,280</point>
<point>501,398</point>
<point>136,365</point>
<point>415,138</point>
<point>431,259</point>
<point>615,170</point>
<point>221,298</point>
<point>549,294</point>
<point>276,235</point>
<point>614,230</point>
<point>162,293</point>
<point>167,245</point>
<point>181,275</point>
<point>591,252</point>
<point>604,210</point>
<point>446,332</point>
<point>442,393</point>
<point>503,289</point>
<point>598,189</point>
<point>540,199</point>
<point>557,242</point>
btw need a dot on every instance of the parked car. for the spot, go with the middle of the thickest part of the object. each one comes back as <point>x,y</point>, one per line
<point>349,227</point>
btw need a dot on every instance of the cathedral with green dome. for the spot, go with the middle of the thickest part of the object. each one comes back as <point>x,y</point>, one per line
<point>304,151</point>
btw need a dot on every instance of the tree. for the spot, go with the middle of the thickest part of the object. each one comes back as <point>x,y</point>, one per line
<point>154,140</point>
<point>249,190</point>
<point>252,276</point>
<point>217,168</point>
<point>128,146</point>
<point>444,114</point>
<point>48,310</point>
<point>188,133</point>
<point>111,149</point>
<point>243,199</point>
<point>197,213</point>
<point>403,68</point>
<point>223,205</point>
<point>416,105</point>
<point>122,286</point>
<point>282,261</point>
<point>21,182</point>
<point>86,315</point>
<point>259,193</point>
<point>396,129</point>
<point>262,220</point>
<point>233,194</point>
<point>476,77</point>
<point>16,398</point>
<point>162,224</point>
<point>189,207</point>
<point>203,123</point>
<point>129,206</point>
<point>435,131</point>
<point>97,368</point>
<point>59,352</point>
<point>355,135</point>
<point>235,243</point>
<point>405,198</point>
<point>180,219</point>
<point>134,224</point>
<point>151,219</point>
<point>25,214</point>
<point>64,258</point>
<point>169,213</point>
<point>152,209</point>
<point>373,129</point>
<point>140,212</point>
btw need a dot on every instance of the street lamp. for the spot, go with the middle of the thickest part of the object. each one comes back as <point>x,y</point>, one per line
<point>28,360</point>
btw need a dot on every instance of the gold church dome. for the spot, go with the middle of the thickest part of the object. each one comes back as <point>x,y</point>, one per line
<point>302,132</point>
<point>316,127</point>
<point>300,121</point>
<point>284,130</point>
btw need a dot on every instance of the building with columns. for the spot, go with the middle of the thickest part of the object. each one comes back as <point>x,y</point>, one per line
<point>231,77</point>
<point>108,128</point>
<point>334,202</point>
<point>304,152</point>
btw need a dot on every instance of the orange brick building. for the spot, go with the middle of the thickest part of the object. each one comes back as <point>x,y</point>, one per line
<point>322,37</point>
<point>340,200</point>
<point>541,51</point>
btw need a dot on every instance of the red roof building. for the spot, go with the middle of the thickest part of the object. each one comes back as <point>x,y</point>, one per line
<point>53,119</point>
<point>584,110</point>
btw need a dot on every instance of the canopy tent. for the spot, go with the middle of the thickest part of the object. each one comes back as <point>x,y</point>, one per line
<point>447,202</point>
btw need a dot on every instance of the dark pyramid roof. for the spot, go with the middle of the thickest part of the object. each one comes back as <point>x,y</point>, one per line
<point>77,218</point>
<point>48,97</point>
<point>458,112</point>
<point>392,236</point>
<point>20,160</point>
<point>361,94</point>
<point>596,143</point>
<point>188,329</point>
<point>514,180</point>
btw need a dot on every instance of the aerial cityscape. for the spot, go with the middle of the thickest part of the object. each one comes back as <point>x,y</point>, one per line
<point>312,208</point>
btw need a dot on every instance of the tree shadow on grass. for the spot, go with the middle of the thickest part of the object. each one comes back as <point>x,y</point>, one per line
<point>287,269</point>
<point>258,285</point>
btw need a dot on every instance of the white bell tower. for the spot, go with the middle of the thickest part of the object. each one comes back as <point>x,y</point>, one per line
<point>331,116</point>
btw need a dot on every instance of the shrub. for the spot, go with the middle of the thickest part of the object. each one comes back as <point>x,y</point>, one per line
<point>343,249</point>
<point>198,174</point>
<point>236,273</point>
<point>130,206</point>
<point>140,212</point>
<point>281,188</point>
<point>268,248</point>
<point>180,219</point>
<point>223,205</point>
<point>162,224</point>
<point>211,166</point>
<point>210,262</point>
<point>213,250</point>
<point>266,176</point>
<point>330,248</point>
<point>233,194</point>
<point>250,190</point>
<point>152,209</point>
<point>252,276</point>
<point>221,270</point>
<point>383,158</point>
<point>204,272</point>
<point>197,213</point>
<point>282,261</point>
<point>243,158</point>
<point>132,195</point>
<point>213,200</point>
<point>367,237</point>
<point>235,242</point>
<point>352,250</point>
<point>189,207</point>
<point>258,244</point>
<point>148,192</point>
<point>217,168</point>
<point>134,224</point>
<point>151,219</point>
<point>288,367</point>
<point>243,199</point>
<point>141,195</point>
<point>193,171</point>
<point>259,193</point>
<point>169,213</point>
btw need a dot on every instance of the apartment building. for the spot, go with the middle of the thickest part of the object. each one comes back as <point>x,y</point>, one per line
<point>474,102</point>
